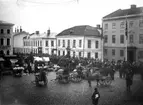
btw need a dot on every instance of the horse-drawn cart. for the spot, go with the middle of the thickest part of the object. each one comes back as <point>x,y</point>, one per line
<point>101,76</point>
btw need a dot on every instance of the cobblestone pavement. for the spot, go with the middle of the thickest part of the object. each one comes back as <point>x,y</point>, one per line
<point>22,91</point>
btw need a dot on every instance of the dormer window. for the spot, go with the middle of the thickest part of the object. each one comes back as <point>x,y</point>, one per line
<point>71,31</point>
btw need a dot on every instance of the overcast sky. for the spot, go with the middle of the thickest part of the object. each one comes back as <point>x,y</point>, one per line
<point>59,14</point>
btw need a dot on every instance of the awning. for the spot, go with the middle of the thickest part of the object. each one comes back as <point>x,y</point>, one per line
<point>46,59</point>
<point>38,59</point>
<point>1,59</point>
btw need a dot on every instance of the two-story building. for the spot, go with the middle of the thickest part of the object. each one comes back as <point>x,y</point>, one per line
<point>6,32</point>
<point>40,43</point>
<point>82,41</point>
<point>123,34</point>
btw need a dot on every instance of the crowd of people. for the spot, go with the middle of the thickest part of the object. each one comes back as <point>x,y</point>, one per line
<point>126,69</point>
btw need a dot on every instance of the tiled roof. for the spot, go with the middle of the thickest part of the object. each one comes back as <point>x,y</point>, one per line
<point>6,23</point>
<point>80,30</point>
<point>125,12</point>
<point>41,36</point>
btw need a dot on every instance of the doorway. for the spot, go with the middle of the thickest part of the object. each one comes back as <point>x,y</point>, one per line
<point>131,56</point>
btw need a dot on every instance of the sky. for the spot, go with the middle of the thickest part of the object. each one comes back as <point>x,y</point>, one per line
<point>59,15</point>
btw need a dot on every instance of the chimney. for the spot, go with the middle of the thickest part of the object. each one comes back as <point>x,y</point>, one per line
<point>37,32</point>
<point>20,29</point>
<point>98,26</point>
<point>48,32</point>
<point>133,6</point>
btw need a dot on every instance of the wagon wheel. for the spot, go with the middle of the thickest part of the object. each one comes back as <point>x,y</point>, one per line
<point>102,82</point>
<point>108,81</point>
<point>75,78</point>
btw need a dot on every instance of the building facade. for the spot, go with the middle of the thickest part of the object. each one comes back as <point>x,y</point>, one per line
<point>123,34</point>
<point>18,41</point>
<point>82,41</point>
<point>6,32</point>
<point>44,43</point>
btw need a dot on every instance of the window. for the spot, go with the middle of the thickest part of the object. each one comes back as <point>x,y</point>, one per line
<point>141,23</point>
<point>140,54</point>
<point>96,55</point>
<point>122,25</point>
<point>113,52</point>
<point>89,43</point>
<point>89,55</point>
<point>131,38</point>
<point>69,43</point>
<point>131,24</point>
<point>59,43</point>
<point>36,43</point>
<point>47,43</point>
<point>80,41</point>
<point>113,25</point>
<point>59,53</point>
<point>105,39</point>
<point>7,52</point>
<point>96,44</point>
<point>52,43</point>
<point>41,43</point>
<point>74,43</point>
<point>79,54</point>
<point>8,42</point>
<point>106,26</point>
<point>63,53</point>
<point>121,53</point>
<point>2,42</point>
<point>113,39</point>
<point>63,43</point>
<point>23,43</point>
<point>141,39</point>
<point>8,31</point>
<point>121,39</point>
<point>105,52</point>
<point>2,31</point>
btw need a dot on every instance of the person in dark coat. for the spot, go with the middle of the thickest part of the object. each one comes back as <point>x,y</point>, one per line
<point>129,79</point>
<point>95,97</point>
<point>88,77</point>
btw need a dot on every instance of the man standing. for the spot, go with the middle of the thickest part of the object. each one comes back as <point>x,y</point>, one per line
<point>129,79</point>
<point>95,97</point>
<point>89,77</point>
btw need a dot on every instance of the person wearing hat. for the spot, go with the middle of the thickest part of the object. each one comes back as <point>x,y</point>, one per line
<point>95,97</point>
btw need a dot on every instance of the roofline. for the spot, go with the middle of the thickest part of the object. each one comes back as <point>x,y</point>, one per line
<point>6,23</point>
<point>21,33</point>
<point>120,17</point>
<point>48,38</point>
<point>78,35</point>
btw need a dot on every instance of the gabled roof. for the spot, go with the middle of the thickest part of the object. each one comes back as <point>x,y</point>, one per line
<point>125,12</point>
<point>81,30</point>
<point>5,23</point>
